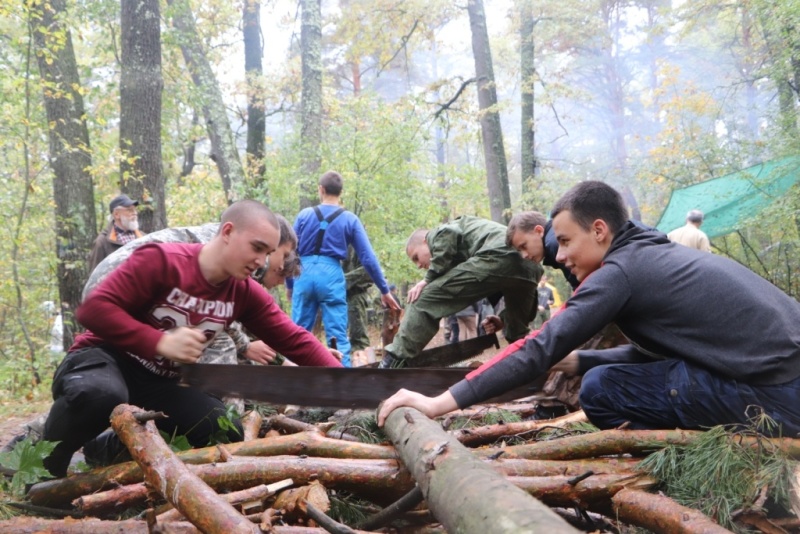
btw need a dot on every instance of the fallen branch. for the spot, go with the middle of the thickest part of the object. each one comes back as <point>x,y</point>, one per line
<point>235,498</point>
<point>661,514</point>
<point>472,437</point>
<point>61,492</point>
<point>251,423</point>
<point>34,525</point>
<point>326,522</point>
<point>164,471</point>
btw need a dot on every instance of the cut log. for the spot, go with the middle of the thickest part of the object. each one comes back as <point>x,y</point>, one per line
<point>641,442</point>
<point>595,490</point>
<point>661,514</point>
<point>472,437</point>
<point>251,423</point>
<point>464,494</point>
<point>173,479</point>
<point>60,492</point>
<point>603,443</point>
<point>287,425</point>
<point>292,502</point>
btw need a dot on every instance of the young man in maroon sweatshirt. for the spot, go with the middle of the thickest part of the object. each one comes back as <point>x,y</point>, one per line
<point>159,309</point>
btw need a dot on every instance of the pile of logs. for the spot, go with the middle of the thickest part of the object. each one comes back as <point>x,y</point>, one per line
<point>429,480</point>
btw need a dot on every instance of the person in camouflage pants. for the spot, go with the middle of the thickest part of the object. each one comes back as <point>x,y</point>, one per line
<point>357,283</point>
<point>466,260</point>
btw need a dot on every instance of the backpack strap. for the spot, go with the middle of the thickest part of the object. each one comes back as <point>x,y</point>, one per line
<point>323,225</point>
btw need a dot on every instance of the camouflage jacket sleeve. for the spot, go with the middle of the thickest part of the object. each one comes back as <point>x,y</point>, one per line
<point>443,244</point>
<point>240,339</point>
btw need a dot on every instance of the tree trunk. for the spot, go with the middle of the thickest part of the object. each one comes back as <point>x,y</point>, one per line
<point>464,494</point>
<point>527,72</point>
<point>61,491</point>
<point>70,155</point>
<point>173,479</point>
<point>141,172</point>
<point>256,125</point>
<point>491,132</point>
<point>311,116</point>
<point>661,514</point>
<point>223,143</point>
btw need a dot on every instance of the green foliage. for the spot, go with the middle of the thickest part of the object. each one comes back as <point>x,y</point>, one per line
<point>26,460</point>
<point>177,443</point>
<point>719,474</point>
<point>362,425</point>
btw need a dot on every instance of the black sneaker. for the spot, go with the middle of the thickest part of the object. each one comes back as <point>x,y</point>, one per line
<point>390,361</point>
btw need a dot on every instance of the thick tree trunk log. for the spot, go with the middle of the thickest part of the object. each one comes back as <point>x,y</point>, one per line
<point>661,514</point>
<point>61,492</point>
<point>464,494</point>
<point>472,437</point>
<point>173,479</point>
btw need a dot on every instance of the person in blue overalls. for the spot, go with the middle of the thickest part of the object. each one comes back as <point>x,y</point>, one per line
<point>323,234</point>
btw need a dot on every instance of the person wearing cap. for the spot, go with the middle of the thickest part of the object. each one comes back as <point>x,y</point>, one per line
<point>690,235</point>
<point>123,227</point>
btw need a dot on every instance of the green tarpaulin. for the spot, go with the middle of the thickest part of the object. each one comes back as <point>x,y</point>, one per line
<point>729,200</point>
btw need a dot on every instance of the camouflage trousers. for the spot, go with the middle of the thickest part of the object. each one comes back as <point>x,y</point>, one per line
<point>463,285</point>
<point>357,304</point>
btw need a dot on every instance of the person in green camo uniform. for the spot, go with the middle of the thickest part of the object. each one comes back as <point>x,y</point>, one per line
<point>465,260</point>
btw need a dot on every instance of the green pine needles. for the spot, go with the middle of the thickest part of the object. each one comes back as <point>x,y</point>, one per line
<point>720,474</point>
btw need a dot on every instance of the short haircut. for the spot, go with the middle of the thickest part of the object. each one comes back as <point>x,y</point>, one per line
<point>332,183</point>
<point>695,216</point>
<point>245,212</point>
<point>592,200</point>
<point>416,238</point>
<point>291,266</point>
<point>524,222</point>
<point>287,232</point>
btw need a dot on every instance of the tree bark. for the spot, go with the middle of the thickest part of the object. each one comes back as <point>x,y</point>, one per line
<point>235,498</point>
<point>223,144</point>
<point>70,155</point>
<point>61,491</point>
<point>173,479</point>
<point>473,437</point>
<point>464,494</point>
<point>661,514</point>
<point>141,84</point>
<point>491,132</point>
<point>256,124</point>
<point>526,73</point>
<point>34,525</point>
<point>603,443</point>
<point>311,113</point>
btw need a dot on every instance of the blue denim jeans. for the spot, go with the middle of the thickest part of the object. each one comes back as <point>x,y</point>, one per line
<point>674,394</point>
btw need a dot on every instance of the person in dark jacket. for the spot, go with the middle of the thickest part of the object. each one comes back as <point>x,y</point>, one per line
<point>123,227</point>
<point>698,355</point>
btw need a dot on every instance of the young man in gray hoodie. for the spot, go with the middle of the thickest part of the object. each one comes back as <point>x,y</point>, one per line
<point>711,342</point>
